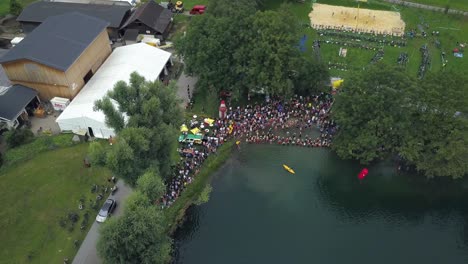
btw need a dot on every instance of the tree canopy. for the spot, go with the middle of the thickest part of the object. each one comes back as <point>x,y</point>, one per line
<point>238,48</point>
<point>136,237</point>
<point>383,112</point>
<point>145,116</point>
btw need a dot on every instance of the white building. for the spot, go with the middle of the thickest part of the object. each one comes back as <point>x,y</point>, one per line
<point>79,116</point>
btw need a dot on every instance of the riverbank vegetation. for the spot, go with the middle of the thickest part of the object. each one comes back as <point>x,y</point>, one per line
<point>41,191</point>
<point>385,113</point>
<point>238,48</point>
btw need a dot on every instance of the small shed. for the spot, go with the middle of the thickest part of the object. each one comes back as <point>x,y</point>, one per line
<point>151,19</point>
<point>17,103</point>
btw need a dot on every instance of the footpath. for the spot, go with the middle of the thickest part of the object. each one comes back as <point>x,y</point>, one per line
<point>428,7</point>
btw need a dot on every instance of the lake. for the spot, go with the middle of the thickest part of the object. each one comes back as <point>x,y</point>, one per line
<point>259,213</point>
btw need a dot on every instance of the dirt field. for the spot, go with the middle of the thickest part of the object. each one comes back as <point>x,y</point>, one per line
<point>364,20</point>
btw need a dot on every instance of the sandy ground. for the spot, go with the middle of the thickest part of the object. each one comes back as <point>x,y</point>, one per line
<point>363,20</point>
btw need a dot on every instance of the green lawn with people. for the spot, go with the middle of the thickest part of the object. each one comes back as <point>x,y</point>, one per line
<point>451,28</point>
<point>40,198</point>
<point>453,4</point>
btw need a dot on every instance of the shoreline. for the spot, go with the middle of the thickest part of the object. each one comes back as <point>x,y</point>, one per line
<point>175,214</point>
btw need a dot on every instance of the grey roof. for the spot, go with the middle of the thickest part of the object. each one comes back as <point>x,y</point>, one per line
<point>59,41</point>
<point>151,14</point>
<point>4,81</point>
<point>41,10</point>
<point>14,100</point>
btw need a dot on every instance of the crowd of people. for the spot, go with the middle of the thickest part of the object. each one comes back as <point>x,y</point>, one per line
<point>275,122</point>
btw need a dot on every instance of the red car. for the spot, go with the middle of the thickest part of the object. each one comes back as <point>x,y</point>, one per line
<point>198,10</point>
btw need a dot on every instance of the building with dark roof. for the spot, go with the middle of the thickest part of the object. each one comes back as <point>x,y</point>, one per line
<point>151,19</point>
<point>59,56</point>
<point>16,104</point>
<point>36,13</point>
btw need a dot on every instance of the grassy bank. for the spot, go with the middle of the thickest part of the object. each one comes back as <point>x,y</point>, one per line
<point>175,213</point>
<point>39,145</point>
<point>37,195</point>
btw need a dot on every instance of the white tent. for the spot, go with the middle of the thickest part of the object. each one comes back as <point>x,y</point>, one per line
<point>146,60</point>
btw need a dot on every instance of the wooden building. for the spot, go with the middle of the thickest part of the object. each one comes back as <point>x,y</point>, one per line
<point>150,19</point>
<point>60,56</point>
<point>115,13</point>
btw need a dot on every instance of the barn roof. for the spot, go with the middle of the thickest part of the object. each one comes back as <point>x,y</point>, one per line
<point>14,99</point>
<point>41,10</point>
<point>59,41</point>
<point>152,15</point>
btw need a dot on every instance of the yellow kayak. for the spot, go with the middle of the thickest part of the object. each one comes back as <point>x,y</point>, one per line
<point>288,169</point>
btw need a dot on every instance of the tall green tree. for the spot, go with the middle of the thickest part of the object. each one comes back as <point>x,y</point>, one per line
<point>310,78</point>
<point>371,112</point>
<point>437,141</point>
<point>136,237</point>
<point>238,48</point>
<point>151,184</point>
<point>146,116</point>
<point>213,44</point>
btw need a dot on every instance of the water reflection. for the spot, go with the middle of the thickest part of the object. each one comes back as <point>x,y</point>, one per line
<point>258,213</point>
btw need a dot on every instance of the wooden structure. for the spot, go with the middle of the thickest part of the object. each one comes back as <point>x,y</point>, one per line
<point>150,19</point>
<point>59,64</point>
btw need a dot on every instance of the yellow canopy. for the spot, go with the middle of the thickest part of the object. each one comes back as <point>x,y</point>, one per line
<point>337,83</point>
<point>209,121</point>
<point>195,130</point>
<point>183,128</point>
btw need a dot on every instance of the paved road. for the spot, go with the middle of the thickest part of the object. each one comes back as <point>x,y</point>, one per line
<point>87,254</point>
<point>182,83</point>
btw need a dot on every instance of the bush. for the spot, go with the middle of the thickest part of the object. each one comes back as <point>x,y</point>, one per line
<point>38,145</point>
<point>18,137</point>
<point>15,7</point>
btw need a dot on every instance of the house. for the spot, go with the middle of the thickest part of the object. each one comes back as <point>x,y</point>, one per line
<point>17,103</point>
<point>79,116</point>
<point>59,56</point>
<point>36,13</point>
<point>150,19</point>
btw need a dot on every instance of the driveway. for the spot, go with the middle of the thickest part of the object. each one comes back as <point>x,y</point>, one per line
<point>87,254</point>
<point>183,82</point>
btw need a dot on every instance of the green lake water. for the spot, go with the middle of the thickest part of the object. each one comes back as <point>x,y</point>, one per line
<point>259,213</point>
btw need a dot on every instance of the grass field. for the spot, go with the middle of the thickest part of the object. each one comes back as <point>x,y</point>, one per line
<point>35,195</point>
<point>452,29</point>
<point>453,4</point>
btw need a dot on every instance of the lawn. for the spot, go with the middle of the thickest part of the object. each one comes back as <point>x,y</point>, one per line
<point>453,4</point>
<point>452,29</point>
<point>36,195</point>
<point>5,5</point>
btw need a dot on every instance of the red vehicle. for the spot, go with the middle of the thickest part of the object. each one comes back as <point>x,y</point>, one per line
<point>198,10</point>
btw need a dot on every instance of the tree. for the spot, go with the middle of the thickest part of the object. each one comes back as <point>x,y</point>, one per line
<point>272,55</point>
<point>371,112</point>
<point>437,143</point>
<point>213,45</point>
<point>151,184</point>
<point>146,136</point>
<point>235,47</point>
<point>311,78</point>
<point>135,201</point>
<point>15,7</point>
<point>135,237</point>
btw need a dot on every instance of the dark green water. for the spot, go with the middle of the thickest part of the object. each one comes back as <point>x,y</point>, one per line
<point>258,213</point>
